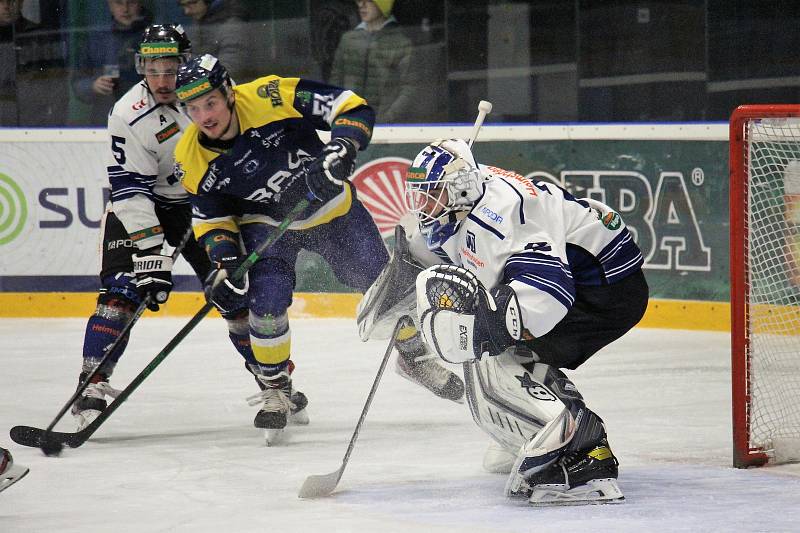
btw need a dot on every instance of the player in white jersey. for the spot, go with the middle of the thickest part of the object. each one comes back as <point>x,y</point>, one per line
<point>148,206</point>
<point>533,280</point>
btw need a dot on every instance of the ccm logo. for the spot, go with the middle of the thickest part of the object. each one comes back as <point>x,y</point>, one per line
<point>513,322</point>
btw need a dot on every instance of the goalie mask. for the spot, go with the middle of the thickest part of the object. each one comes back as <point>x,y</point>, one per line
<point>443,180</point>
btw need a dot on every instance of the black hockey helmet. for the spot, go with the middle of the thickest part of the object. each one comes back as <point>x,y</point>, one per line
<point>163,40</point>
<point>201,75</point>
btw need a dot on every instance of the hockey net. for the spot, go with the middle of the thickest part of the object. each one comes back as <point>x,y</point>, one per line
<point>765,283</point>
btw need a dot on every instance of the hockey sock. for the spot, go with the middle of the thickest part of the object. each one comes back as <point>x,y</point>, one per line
<point>101,332</point>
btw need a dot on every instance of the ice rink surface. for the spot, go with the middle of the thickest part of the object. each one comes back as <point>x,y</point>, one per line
<point>182,455</point>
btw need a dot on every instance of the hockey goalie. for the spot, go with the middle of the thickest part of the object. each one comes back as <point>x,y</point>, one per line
<point>530,280</point>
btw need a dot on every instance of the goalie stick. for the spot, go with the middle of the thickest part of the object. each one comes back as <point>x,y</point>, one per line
<point>53,441</point>
<point>316,486</point>
<point>110,350</point>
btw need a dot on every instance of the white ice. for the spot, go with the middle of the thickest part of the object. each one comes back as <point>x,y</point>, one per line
<point>182,455</point>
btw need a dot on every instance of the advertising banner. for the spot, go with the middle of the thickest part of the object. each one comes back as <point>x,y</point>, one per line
<point>672,194</point>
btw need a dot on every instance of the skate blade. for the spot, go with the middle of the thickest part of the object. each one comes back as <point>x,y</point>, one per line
<point>11,476</point>
<point>84,418</point>
<point>300,418</point>
<point>274,437</point>
<point>594,492</point>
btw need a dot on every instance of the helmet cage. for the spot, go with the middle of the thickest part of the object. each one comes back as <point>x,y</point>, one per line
<point>443,183</point>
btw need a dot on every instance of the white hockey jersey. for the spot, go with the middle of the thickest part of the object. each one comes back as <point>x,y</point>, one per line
<point>142,135</point>
<point>543,242</point>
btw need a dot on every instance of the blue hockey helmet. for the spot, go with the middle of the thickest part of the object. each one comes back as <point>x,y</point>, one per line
<point>443,179</point>
<point>199,76</point>
<point>163,40</point>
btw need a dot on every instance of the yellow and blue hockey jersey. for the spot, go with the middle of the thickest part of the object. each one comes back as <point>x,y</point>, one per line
<point>260,177</point>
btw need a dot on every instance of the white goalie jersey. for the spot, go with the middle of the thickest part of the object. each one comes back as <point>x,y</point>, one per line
<point>543,242</point>
<point>142,135</point>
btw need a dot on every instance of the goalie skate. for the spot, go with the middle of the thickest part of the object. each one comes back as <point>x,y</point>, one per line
<point>9,472</point>
<point>577,478</point>
<point>419,366</point>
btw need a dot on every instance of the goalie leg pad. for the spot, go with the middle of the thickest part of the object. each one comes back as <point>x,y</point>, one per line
<point>508,401</point>
<point>391,295</point>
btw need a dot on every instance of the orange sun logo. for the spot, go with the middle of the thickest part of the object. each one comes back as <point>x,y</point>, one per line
<point>381,188</point>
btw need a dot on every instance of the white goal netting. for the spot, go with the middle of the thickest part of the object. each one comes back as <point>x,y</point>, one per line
<point>772,230</point>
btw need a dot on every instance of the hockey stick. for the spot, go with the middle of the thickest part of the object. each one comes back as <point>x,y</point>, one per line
<point>316,486</point>
<point>31,436</point>
<point>484,108</point>
<point>110,350</point>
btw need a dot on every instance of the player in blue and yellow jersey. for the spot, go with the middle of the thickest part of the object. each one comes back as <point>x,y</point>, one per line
<point>251,154</point>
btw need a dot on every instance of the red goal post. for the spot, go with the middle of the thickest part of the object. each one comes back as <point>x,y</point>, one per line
<point>765,283</point>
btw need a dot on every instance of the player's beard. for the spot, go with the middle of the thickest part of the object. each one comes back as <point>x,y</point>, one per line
<point>165,97</point>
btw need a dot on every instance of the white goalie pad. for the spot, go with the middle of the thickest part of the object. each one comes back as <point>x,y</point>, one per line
<point>509,403</point>
<point>391,296</point>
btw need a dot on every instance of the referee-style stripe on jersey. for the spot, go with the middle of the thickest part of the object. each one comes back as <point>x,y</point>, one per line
<point>543,272</point>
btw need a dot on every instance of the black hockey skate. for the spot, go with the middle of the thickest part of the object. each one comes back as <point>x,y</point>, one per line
<point>585,476</point>
<point>297,412</point>
<point>281,406</point>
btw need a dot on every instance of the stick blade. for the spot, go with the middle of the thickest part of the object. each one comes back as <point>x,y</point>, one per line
<point>37,437</point>
<point>317,486</point>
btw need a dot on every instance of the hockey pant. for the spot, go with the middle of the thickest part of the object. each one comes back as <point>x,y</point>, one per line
<point>350,244</point>
<point>118,299</point>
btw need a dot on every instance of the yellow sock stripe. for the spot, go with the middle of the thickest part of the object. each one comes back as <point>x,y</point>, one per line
<point>272,351</point>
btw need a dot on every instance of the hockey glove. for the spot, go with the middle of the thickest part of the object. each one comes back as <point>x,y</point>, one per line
<point>153,277</point>
<point>326,175</point>
<point>460,319</point>
<point>226,295</point>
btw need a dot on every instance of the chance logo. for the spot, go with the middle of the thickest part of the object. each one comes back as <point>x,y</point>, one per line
<point>13,209</point>
<point>381,186</point>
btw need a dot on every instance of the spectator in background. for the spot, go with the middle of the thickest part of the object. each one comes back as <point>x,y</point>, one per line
<point>32,67</point>
<point>374,60</point>
<point>105,68</point>
<point>219,29</point>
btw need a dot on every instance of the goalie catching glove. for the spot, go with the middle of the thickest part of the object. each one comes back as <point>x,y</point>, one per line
<point>153,277</point>
<point>226,294</point>
<point>460,319</point>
